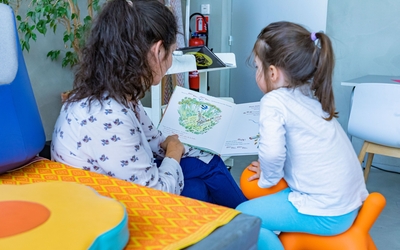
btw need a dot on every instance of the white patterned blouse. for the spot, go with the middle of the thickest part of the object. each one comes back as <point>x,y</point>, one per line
<point>118,141</point>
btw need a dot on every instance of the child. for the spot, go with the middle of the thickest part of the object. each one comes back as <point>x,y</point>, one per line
<point>301,140</point>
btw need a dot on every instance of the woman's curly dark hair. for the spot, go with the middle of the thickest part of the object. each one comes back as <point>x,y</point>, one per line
<point>114,61</point>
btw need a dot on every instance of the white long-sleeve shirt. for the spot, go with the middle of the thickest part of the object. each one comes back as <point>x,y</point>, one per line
<point>314,156</point>
<point>114,140</point>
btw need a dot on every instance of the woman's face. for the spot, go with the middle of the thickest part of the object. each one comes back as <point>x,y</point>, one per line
<point>164,63</point>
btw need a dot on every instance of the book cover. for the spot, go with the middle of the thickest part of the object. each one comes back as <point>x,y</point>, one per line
<point>212,124</point>
<point>205,58</point>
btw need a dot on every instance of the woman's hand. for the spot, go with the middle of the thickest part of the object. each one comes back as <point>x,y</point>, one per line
<point>254,167</point>
<point>173,147</point>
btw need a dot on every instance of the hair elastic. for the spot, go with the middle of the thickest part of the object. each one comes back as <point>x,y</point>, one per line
<point>313,36</point>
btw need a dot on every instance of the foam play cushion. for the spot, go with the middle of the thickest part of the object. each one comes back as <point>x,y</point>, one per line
<point>157,219</point>
<point>60,215</point>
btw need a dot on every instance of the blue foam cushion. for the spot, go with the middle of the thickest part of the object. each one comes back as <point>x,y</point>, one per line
<point>21,131</point>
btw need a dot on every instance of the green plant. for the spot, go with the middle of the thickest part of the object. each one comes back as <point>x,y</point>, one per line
<point>44,15</point>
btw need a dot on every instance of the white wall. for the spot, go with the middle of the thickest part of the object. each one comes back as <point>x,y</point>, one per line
<point>365,36</point>
<point>248,18</point>
<point>48,79</point>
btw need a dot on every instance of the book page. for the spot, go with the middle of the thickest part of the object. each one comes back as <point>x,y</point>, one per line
<point>199,120</point>
<point>243,134</point>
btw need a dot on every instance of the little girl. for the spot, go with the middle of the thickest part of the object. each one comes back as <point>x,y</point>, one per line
<point>301,140</point>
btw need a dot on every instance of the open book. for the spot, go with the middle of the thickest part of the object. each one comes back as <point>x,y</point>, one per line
<point>212,124</point>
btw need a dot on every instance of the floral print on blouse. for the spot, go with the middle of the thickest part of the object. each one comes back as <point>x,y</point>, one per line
<point>118,141</point>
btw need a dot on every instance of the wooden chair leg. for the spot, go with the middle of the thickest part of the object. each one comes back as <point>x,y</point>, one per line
<point>368,165</point>
<point>363,151</point>
<point>361,157</point>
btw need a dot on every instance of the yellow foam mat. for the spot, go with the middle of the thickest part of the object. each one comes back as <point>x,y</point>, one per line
<point>157,220</point>
<point>53,215</point>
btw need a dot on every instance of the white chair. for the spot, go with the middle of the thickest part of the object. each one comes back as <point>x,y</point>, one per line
<point>375,118</point>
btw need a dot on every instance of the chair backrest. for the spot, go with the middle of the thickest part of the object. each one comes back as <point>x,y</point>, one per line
<point>375,113</point>
<point>21,130</point>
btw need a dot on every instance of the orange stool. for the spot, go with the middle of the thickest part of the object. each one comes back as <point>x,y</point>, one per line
<point>251,189</point>
<point>356,237</point>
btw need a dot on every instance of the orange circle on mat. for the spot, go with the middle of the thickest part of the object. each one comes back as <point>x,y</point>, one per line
<point>20,216</point>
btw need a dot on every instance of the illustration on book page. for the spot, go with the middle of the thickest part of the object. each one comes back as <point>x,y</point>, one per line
<point>198,117</point>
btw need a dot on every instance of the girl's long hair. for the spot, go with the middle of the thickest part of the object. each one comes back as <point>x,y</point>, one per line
<point>291,48</point>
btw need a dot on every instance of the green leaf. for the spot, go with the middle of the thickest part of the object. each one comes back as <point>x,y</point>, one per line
<point>53,54</point>
<point>35,16</point>
<point>27,46</point>
<point>95,4</point>
<point>23,47</point>
<point>65,38</point>
<point>22,26</point>
<point>65,62</point>
<point>87,20</point>
<point>47,8</point>
<point>41,27</point>
<point>27,37</point>
<point>61,12</point>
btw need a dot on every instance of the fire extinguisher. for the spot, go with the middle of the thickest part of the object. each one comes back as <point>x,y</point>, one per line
<point>194,78</point>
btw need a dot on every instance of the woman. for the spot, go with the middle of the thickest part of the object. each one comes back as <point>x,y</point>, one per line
<point>103,127</point>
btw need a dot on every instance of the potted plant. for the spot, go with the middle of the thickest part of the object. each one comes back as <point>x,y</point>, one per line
<point>40,16</point>
<point>44,15</point>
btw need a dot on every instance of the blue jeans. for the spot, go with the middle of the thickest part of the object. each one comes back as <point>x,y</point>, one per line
<point>278,214</point>
<point>210,182</point>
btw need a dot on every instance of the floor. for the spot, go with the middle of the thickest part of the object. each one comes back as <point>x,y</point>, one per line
<point>386,230</point>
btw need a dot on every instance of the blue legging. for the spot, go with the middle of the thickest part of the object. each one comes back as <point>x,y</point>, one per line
<point>210,182</point>
<point>278,214</point>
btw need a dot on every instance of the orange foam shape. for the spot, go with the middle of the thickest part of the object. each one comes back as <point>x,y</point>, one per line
<point>20,216</point>
<point>251,189</point>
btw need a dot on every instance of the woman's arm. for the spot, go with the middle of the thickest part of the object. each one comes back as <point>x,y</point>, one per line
<point>153,136</point>
<point>156,138</point>
<point>118,146</point>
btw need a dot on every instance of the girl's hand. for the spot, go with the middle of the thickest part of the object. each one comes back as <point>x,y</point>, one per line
<point>254,167</point>
<point>173,147</point>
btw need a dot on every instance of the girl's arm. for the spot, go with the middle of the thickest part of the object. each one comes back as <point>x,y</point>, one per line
<point>272,145</point>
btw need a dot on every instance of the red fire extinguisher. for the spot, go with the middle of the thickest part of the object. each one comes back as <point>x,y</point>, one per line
<point>194,78</point>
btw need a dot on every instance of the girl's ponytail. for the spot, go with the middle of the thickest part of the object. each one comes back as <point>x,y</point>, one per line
<point>322,80</point>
